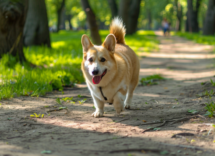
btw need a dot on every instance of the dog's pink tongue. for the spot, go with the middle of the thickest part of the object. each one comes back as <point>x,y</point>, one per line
<point>96,79</point>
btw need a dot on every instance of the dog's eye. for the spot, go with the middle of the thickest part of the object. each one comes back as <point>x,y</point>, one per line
<point>90,59</point>
<point>102,59</point>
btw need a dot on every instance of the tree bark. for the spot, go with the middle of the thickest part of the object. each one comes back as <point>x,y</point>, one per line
<point>36,31</point>
<point>209,24</point>
<point>92,23</point>
<point>60,9</point>
<point>149,16</point>
<point>12,20</point>
<point>192,16</point>
<point>124,6</point>
<point>179,15</point>
<point>68,18</point>
<point>113,8</point>
<point>133,17</point>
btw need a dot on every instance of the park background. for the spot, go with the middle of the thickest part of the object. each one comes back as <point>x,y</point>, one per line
<point>40,43</point>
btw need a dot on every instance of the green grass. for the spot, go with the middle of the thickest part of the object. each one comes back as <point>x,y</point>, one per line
<point>57,66</point>
<point>151,80</point>
<point>198,38</point>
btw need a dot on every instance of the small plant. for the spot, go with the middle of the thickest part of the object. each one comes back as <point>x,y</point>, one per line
<point>151,80</point>
<point>72,102</point>
<point>58,101</point>
<point>192,111</point>
<point>62,108</point>
<point>35,115</point>
<point>212,82</point>
<point>79,96</point>
<point>82,101</point>
<point>67,98</point>
<point>210,107</point>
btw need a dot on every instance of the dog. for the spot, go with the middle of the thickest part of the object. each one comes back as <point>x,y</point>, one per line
<point>111,70</point>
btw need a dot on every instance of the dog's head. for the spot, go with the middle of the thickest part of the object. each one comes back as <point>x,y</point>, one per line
<point>98,61</point>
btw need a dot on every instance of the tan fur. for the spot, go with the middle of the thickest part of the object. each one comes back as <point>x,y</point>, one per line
<point>122,66</point>
<point>118,31</point>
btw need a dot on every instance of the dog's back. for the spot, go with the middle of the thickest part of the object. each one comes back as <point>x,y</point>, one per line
<point>124,51</point>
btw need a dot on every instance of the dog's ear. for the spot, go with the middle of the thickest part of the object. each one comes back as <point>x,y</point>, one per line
<point>86,43</point>
<point>110,43</point>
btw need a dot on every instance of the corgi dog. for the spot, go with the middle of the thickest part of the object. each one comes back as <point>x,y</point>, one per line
<point>111,70</point>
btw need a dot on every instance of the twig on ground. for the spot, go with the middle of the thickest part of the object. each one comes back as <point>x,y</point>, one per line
<point>136,150</point>
<point>185,146</point>
<point>166,121</point>
<point>149,129</point>
<point>123,120</point>
<point>110,139</point>
<point>183,119</point>
<point>52,110</point>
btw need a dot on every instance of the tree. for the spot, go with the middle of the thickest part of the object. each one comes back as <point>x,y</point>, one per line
<point>192,24</point>
<point>113,8</point>
<point>12,20</point>
<point>36,31</point>
<point>179,15</point>
<point>92,23</point>
<point>124,6</point>
<point>133,16</point>
<point>209,24</point>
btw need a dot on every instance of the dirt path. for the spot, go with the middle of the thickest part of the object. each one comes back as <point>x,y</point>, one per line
<point>75,132</point>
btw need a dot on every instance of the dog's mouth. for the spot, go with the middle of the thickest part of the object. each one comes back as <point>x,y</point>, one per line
<point>97,79</point>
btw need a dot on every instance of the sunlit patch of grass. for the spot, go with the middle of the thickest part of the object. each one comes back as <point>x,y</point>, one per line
<point>151,80</point>
<point>210,40</point>
<point>57,66</point>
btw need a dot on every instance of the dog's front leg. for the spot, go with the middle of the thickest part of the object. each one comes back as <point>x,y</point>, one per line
<point>99,105</point>
<point>118,102</point>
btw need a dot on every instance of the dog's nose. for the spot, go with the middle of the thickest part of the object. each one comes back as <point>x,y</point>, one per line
<point>95,72</point>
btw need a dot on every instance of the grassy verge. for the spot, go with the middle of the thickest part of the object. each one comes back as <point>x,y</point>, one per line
<point>58,66</point>
<point>198,38</point>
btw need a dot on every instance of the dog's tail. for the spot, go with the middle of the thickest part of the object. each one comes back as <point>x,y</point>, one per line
<point>118,30</point>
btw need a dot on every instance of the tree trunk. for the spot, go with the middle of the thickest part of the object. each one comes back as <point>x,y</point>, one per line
<point>149,16</point>
<point>179,15</point>
<point>68,18</point>
<point>36,31</point>
<point>63,19</point>
<point>133,17</point>
<point>192,15</point>
<point>12,20</point>
<point>124,6</point>
<point>92,23</point>
<point>209,24</point>
<point>60,8</point>
<point>113,8</point>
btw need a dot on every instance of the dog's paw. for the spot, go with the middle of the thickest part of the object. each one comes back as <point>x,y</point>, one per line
<point>97,114</point>
<point>127,106</point>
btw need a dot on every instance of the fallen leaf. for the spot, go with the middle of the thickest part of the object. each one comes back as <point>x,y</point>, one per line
<point>193,141</point>
<point>144,120</point>
<point>46,152</point>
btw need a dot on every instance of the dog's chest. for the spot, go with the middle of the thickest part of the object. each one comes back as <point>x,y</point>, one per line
<point>107,93</point>
<point>104,94</point>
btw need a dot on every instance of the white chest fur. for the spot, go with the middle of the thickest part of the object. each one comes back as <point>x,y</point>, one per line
<point>106,92</point>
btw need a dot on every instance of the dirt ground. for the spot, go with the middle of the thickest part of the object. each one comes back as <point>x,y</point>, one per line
<point>74,132</point>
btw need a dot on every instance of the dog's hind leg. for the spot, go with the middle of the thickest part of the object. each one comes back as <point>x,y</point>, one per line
<point>130,91</point>
<point>118,102</point>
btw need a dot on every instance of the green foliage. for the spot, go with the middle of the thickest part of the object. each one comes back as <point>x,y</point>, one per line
<point>198,38</point>
<point>210,107</point>
<point>151,80</point>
